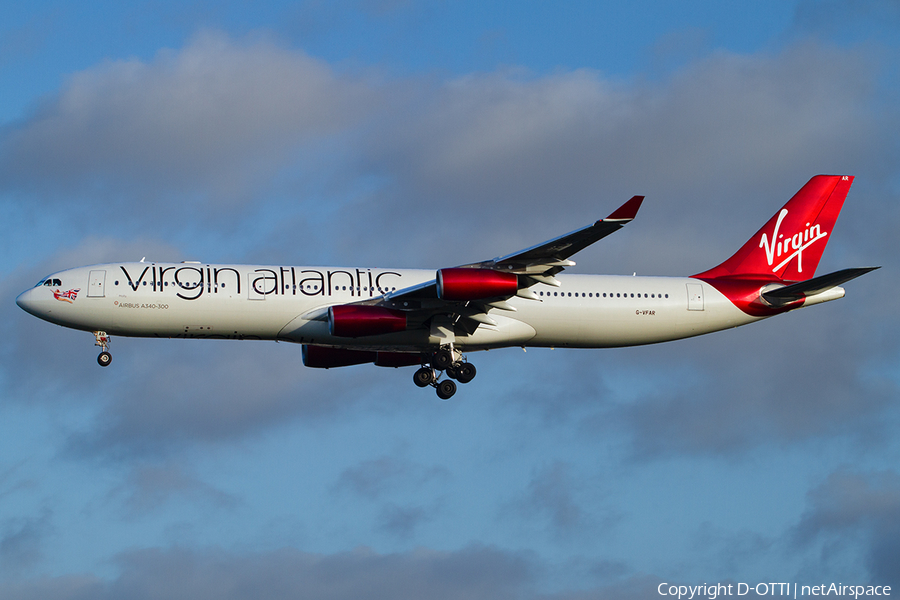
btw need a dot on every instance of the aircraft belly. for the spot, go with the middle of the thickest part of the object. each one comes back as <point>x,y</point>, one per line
<point>507,332</point>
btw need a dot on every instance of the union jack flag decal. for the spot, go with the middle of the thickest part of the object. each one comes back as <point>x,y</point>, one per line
<point>67,296</point>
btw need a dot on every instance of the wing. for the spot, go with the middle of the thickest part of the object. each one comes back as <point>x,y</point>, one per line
<point>543,261</point>
<point>467,293</point>
<point>540,263</point>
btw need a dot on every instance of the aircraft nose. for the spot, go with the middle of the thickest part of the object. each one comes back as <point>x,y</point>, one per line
<point>27,302</point>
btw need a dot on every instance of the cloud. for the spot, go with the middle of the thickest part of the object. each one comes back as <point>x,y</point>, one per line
<point>213,120</point>
<point>505,159</point>
<point>731,552</point>
<point>384,479</point>
<point>551,498</point>
<point>14,478</point>
<point>22,539</point>
<point>402,521</point>
<point>149,486</point>
<point>188,392</point>
<point>371,479</point>
<point>852,503</point>
<point>505,150</point>
<point>473,572</point>
<point>741,389</point>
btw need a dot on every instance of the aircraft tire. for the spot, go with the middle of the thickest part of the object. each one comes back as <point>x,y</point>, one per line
<point>446,389</point>
<point>466,373</point>
<point>442,359</point>
<point>423,377</point>
<point>104,359</point>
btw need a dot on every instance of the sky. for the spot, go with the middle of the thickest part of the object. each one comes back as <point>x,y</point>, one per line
<point>428,134</point>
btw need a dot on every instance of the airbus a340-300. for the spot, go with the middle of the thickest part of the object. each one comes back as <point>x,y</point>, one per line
<point>402,317</point>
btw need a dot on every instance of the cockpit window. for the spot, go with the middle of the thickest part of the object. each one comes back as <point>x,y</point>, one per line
<point>50,282</point>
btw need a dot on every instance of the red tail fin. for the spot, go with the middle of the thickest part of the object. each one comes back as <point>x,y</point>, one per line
<point>790,245</point>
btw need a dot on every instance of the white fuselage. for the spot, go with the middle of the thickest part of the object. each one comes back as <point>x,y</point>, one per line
<point>187,300</point>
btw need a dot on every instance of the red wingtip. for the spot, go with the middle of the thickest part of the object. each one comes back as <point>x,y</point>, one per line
<point>627,211</point>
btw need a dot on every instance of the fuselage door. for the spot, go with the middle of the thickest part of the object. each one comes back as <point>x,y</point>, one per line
<point>695,296</point>
<point>97,284</point>
<point>260,284</point>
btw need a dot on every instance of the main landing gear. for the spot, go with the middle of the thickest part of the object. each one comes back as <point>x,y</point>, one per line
<point>103,340</point>
<point>451,363</point>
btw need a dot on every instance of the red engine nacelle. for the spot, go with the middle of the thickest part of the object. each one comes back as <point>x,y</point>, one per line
<point>323,357</point>
<point>474,284</point>
<point>351,320</point>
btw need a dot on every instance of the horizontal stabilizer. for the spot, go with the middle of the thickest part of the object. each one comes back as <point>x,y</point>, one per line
<point>798,291</point>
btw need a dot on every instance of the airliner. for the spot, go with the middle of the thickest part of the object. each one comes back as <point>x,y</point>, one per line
<point>432,319</point>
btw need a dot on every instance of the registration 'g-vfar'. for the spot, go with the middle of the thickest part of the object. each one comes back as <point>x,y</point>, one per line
<point>401,317</point>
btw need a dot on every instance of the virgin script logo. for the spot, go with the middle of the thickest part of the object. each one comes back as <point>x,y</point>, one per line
<point>790,247</point>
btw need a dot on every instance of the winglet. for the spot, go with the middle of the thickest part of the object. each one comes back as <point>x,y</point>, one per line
<point>627,211</point>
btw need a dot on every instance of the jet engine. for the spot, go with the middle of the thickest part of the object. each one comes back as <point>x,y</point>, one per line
<point>475,284</point>
<point>352,320</point>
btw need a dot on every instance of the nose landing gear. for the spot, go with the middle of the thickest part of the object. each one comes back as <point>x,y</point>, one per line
<point>103,341</point>
<point>449,361</point>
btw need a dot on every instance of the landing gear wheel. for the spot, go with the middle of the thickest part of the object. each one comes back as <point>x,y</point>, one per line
<point>442,359</point>
<point>465,373</point>
<point>104,359</point>
<point>423,377</point>
<point>446,389</point>
<point>452,372</point>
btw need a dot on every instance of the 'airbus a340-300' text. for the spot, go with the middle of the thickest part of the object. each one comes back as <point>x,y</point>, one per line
<point>404,317</point>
